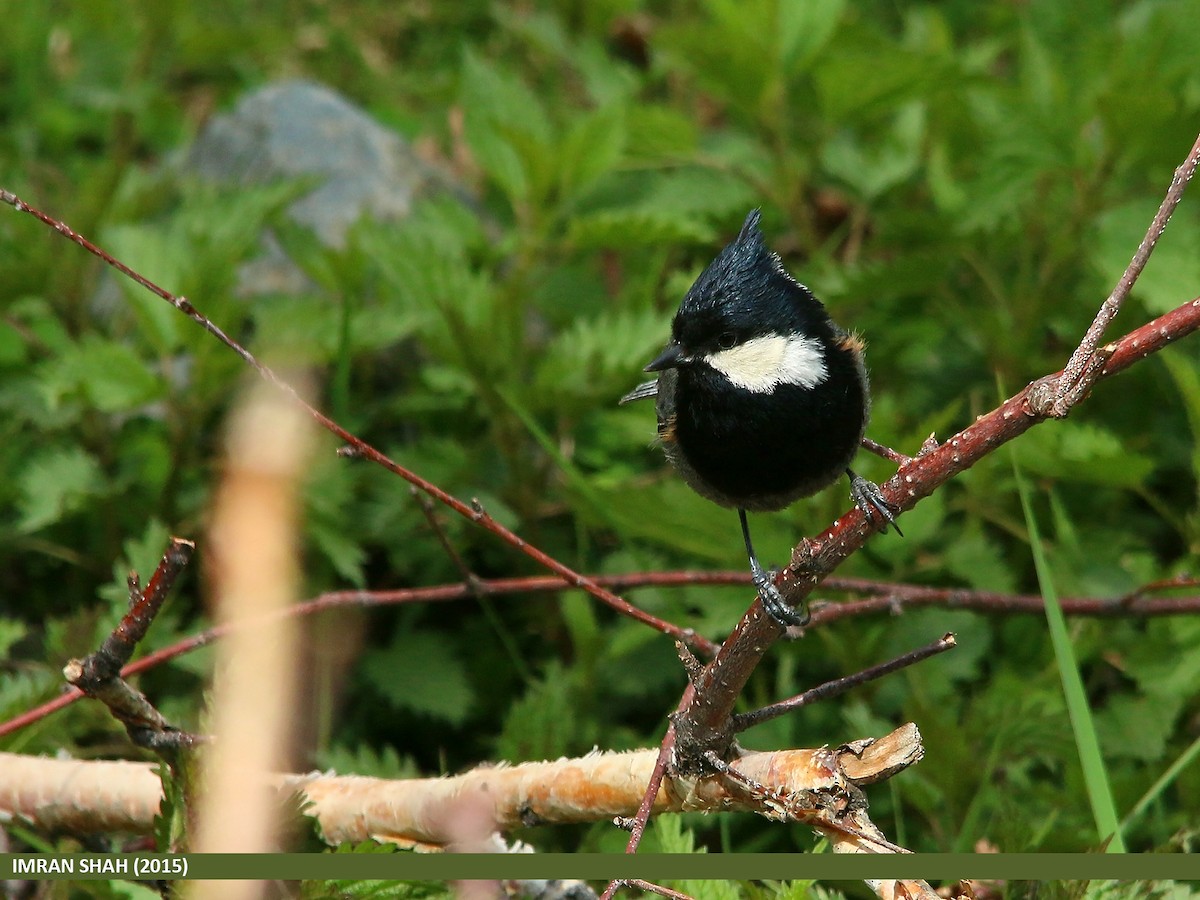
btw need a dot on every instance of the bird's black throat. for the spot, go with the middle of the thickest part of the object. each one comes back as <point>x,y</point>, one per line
<point>763,450</point>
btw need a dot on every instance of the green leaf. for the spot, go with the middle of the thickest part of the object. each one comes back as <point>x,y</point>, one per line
<point>505,125</point>
<point>139,553</point>
<point>541,724</point>
<point>1083,722</point>
<point>421,673</point>
<point>362,759</point>
<point>672,836</point>
<point>1138,727</point>
<point>1084,451</point>
<point>979,561</point>
<point>590,148</point>
<point>633,229</point>
<point>165,261</point>
<point>876,167</point>
<point>113,377</point>
<point>11,631</point>
<point>56,483</point>
<point>343,550</point>
<point>596,359</point>
<point>897,76</point>
<point>805,29</point>
<point>658,131</point>
<point>1173,272</point>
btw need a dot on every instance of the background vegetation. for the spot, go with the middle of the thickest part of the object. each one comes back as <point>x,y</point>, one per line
<point>961,183</point>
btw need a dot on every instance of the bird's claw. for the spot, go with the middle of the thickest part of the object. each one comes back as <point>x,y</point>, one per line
<point>869,498</point>
<point>773,602</point>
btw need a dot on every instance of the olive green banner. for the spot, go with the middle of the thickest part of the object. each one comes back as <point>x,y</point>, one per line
<point>936,867</point>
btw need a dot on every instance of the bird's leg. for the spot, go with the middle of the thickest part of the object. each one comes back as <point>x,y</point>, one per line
<point>772,600</point>
<point>867,497</point>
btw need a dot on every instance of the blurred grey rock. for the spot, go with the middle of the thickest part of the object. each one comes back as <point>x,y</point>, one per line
<point>299,129</point>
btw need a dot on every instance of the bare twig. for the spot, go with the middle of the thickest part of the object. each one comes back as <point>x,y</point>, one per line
<point>885,452</point>
<point>474,584</point>
<point>889,598</point>
<point>472,511</point>
<point>99,675</point>
<point>1078,376</point>
<point>742,721</point>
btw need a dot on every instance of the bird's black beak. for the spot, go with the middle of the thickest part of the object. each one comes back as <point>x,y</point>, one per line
<point>668,359</point>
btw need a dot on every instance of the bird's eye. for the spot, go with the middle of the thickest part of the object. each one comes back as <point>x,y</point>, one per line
<point>726,340</point>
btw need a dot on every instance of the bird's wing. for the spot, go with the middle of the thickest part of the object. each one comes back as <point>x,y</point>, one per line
<point>643,391</point>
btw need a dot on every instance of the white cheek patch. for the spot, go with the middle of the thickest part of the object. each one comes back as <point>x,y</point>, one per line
<point>762,364</point>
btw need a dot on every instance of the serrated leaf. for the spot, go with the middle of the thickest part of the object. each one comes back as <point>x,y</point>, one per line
<point>897,76</point>
<point>672,836</point>
<point>421,673</point>
<point>1167,662</point>
<point>979,561</point>
<point>635,228</point>
<point>660,131</point>
<point>1138,727</point>
<point>1171,276</point>
<point>541,725</point>
<point>872,169</point>
<point>1083,451</point>
<point>115,378</point>
<point>504,124</point>
<point>804,29</point>
<point>139,553</point>
<point>162,259</point>
<point>12,345</point>
<point>590,148</point>
<point>55,484</point>
<point>362,759</point>
<point>595,358</point>
<point>342,549</point>
<point>11,631</point>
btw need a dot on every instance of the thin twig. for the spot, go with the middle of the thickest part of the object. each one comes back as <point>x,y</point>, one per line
<point>889,599</point>
<point>99,675</point>
<point>473,511</point>
<point>885,452</point>
<point>742,721</point>
<point>473,582</point>
<point>1077,376</point>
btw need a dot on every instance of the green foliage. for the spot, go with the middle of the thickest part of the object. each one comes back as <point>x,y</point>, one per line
<point>345,889</point>
<point>962,185</point>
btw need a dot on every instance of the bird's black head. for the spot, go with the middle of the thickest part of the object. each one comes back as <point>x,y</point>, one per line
<point>747,317</point>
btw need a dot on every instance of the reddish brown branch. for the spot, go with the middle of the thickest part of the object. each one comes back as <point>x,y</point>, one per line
<point>99,675</point>
<point>118,647</point>
<point>707,721</point>
<point>813,560</point>
<point>887,599</point>
<point>1077,375</point>
<point>472,511</point>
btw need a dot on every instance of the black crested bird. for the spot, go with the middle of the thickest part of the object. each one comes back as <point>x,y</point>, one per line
<point>761,398</point>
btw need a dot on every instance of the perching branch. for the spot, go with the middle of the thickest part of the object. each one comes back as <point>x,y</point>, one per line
<point>706,724</point>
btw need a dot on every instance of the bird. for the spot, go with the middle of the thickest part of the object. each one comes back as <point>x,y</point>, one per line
<point>761,399</point>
